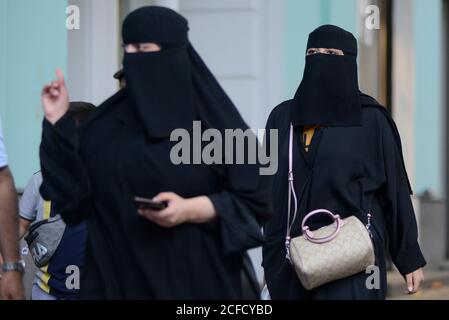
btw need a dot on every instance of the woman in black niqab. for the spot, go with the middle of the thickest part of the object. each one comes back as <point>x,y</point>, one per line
<point>123,151</point>
<point>352,166</point>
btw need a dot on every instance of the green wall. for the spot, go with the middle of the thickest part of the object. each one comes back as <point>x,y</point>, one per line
<point>33,41</point>
<point>429,143</point>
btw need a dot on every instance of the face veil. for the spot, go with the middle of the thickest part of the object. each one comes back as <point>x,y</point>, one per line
<point>161,90</point>
<point>159,83</point>
<point>329,94</point>
<point>173,87</point>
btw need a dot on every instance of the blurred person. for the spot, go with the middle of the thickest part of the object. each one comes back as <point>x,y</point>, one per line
<point>250,285</point>
<point>11,286</point>
<point>347,158</point>
<point>191,249</point>
<point>50,280</point>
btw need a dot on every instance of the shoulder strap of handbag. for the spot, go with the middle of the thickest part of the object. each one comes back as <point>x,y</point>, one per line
<point>291,194</point>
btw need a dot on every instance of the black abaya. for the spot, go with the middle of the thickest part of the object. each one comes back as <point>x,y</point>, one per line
<point>348,170</point>
<point>95,173</point>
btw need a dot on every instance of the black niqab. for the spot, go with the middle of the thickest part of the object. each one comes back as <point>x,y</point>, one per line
<point>328,94</point>
<point>172,87</point>
<point>159,83</point>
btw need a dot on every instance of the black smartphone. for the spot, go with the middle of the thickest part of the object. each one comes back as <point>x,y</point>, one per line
<point>144,203</point>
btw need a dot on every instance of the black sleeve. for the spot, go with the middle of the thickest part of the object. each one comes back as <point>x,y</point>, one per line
<point>400,215</point>
<point>65,180</point>
<point>272,146</point>
<point>279,123</point>
<point>238,223</point>
<point>241,206</point>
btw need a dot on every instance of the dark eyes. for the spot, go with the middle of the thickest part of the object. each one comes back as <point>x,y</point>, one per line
<point>331,52</point>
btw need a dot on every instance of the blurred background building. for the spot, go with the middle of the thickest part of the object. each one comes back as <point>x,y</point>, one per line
<point>256,49</point>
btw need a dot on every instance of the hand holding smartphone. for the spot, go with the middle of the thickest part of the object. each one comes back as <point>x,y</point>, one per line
<point>148,204</point>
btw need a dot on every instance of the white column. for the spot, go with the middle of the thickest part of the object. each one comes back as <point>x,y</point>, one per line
<point>172,4</point>
<point>404,83</point>
<point>404,79</point>
<point>128,6</point>
<point>93,51</point>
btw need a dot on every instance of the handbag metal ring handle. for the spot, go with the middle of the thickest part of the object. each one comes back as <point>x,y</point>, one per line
<point>308,234</point>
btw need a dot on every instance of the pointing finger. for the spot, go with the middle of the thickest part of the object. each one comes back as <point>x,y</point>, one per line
<point>60,76</point>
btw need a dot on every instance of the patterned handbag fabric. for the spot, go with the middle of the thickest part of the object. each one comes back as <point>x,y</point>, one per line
<point>330,253</point>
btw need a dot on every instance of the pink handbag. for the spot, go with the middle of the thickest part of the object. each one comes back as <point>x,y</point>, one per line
<point>333,252</point>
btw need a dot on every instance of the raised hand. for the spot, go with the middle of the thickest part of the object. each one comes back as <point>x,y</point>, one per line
<point>55,99</point>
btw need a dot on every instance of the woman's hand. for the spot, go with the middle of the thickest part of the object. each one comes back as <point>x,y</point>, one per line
<point>55,99</point>
<point>180,210</point>
<point>414,280</point>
